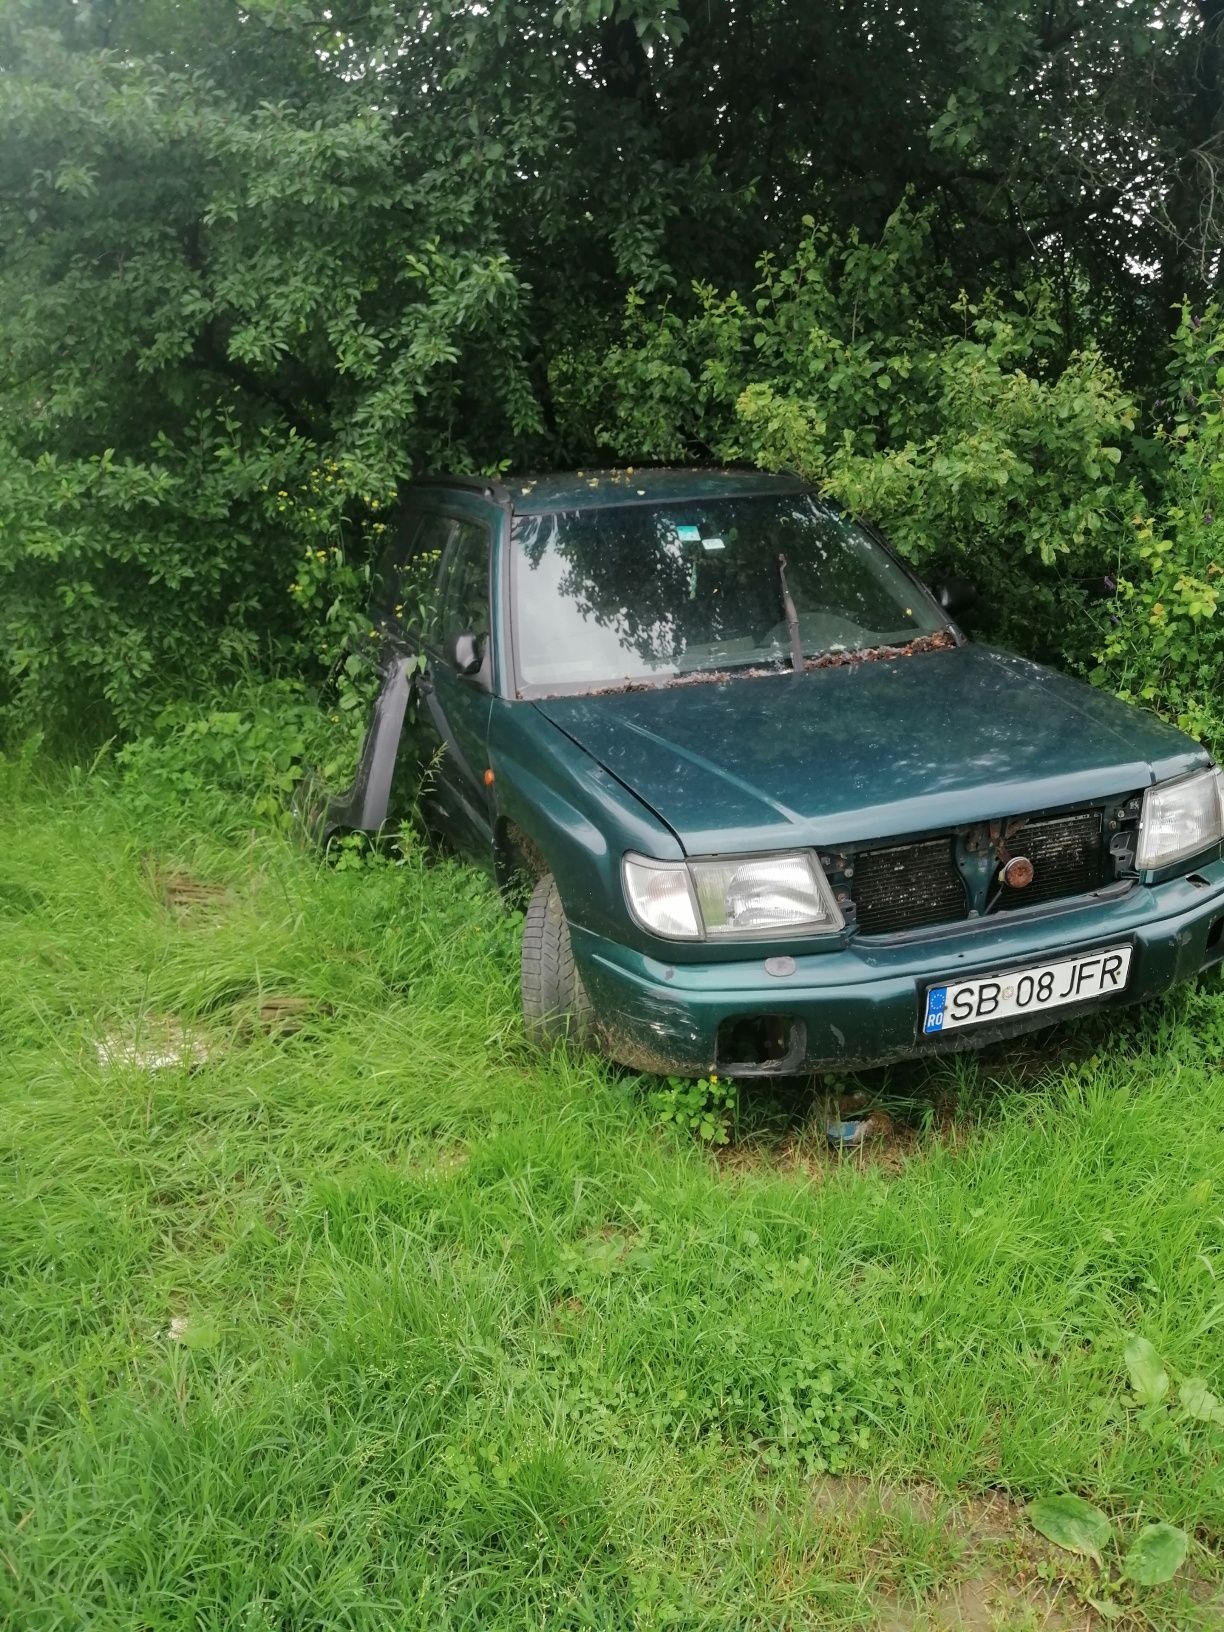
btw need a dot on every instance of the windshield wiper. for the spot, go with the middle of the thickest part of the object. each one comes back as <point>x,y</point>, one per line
<point>792,619</point>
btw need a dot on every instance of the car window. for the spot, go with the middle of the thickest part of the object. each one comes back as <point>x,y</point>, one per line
<point>404,583</point>
<point>617,593</point>
<point>463,589</point>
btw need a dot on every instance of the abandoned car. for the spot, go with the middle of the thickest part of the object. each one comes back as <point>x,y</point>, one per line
<point>775,811</point>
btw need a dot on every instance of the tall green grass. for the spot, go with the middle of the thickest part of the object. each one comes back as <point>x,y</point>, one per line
<point>388,1322</point>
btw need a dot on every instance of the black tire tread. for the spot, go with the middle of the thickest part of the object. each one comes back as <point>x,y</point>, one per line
<point>555,1004</point>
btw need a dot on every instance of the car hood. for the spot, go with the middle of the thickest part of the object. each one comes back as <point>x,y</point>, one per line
<point>870,750</point>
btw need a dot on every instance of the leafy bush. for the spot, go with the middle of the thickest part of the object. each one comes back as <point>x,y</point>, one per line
<point>968,432</point>
<point>239,760</point>
<point>217,367</point>
<point>1163,644</point>
<point>259,270</point>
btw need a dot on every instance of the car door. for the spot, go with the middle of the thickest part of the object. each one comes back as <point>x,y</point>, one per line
<point>453,708</point>
<point>394,753</point>
<point>428,728</point>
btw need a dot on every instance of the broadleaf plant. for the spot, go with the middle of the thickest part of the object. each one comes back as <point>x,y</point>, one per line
<point>1072,1524</point>
<point>1148,1377</point>
<point>1156,1555</point>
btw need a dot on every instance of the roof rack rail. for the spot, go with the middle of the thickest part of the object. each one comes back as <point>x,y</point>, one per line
<point>681,467</point>
<point>487,486</point>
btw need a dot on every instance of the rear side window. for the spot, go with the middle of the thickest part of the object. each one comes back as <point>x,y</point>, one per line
<point>406,579</point>
<point>463,589</point>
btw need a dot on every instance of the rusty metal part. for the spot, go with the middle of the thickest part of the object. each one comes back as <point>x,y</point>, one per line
<point>1018,873</point>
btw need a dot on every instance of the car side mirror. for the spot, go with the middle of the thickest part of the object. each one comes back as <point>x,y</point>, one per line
<point>957,596</point>
<point>463,653</point>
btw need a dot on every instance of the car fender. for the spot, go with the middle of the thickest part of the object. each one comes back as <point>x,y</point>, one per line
<point>577,819</point>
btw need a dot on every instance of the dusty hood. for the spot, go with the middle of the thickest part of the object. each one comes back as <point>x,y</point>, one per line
<point>869,751</point>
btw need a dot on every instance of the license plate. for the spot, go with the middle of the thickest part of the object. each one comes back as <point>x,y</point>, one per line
<point>1026,991</point>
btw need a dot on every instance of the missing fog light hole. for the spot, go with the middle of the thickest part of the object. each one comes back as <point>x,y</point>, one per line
<point>760,1043</point>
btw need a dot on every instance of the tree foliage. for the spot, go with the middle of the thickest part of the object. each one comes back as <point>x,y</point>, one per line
<point>261,263</point>
<point>1161,642</point>
<point>964,428</point>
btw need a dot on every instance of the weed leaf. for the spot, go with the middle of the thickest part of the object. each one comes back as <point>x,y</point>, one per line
<point>1149,1379</point>
<point>1156,1554</point>
<point>1106,1608</point>
<point>1199,1402</point>
<point>1071,1523</point>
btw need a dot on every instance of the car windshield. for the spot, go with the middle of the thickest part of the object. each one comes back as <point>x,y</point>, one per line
<point>607,596</point>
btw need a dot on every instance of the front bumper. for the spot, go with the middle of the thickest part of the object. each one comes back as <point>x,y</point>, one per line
<point>860,1006</point>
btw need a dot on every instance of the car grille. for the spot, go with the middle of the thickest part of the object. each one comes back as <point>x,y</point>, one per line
<point>918,885</point>
<point>908,886</point>
<point>1068,858</point>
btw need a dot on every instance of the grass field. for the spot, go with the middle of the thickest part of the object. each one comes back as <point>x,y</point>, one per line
<point>369,1318</point>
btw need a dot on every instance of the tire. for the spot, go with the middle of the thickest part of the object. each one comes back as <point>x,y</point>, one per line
<point>556,1008</point>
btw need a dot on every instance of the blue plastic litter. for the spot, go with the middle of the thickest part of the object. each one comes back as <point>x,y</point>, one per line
<point>848,1134</point>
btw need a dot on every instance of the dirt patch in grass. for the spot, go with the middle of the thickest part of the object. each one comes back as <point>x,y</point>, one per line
<point>891,1138</point>
<point>909,1110</point>
<point>437,1163</point>
<point>285,1015</point>
<point>181,894</point>
<point>998,1574</point>
<point>988,1605</point>
<point>156,1043</point>
<point>998,1560</point>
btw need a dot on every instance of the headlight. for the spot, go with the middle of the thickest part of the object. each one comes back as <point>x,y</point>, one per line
<point>731,897</point>
<point>661,897</point>
<point>1180,819</point>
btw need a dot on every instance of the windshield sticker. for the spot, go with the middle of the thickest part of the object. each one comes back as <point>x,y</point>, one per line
<point>689,535</point>
<point>712,544</point>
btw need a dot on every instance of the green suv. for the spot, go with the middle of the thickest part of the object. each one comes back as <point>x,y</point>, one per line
<point>770,809</point>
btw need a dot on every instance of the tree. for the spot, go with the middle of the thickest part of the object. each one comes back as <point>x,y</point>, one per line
<point>259,263</point>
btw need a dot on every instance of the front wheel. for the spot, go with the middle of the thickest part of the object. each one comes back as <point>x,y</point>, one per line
<point>555,1003</point>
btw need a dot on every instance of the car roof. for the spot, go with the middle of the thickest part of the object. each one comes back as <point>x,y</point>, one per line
<point>599,489</point>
